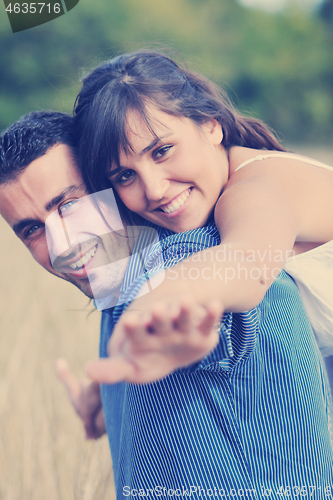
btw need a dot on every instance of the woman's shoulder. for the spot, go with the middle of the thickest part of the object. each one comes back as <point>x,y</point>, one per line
<point>273,183</point>
<point>240,157</point>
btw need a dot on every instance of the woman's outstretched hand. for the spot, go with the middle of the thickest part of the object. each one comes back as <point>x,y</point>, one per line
<point>86,400</point>
<point>147,347</point>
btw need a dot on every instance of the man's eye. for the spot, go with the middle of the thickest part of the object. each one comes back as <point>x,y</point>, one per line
<point>161,152</point>
<point>32,230</point>
<point>67,205</point>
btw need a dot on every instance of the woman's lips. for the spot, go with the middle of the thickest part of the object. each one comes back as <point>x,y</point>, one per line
<point>176,203</point>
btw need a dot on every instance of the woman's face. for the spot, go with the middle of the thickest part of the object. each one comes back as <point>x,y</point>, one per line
<point>175,177</point>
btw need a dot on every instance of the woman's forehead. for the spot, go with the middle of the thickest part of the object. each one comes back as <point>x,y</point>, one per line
<point>152,122</point>
<point>139,128</point>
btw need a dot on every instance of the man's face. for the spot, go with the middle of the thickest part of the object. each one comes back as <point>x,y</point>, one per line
<point>65,230</point>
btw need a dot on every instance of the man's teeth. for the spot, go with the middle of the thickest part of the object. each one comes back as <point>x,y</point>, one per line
<point>86,257</point>
<point>177,203</point>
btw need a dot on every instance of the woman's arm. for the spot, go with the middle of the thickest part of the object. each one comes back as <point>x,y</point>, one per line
<point>264,209</point>
<point>259,221</point>
<point>260,215</point>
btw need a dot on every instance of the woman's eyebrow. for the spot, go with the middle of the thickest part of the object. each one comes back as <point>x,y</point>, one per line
<point>144,151</point>
<point>153,143</point>
<point>115,171</point>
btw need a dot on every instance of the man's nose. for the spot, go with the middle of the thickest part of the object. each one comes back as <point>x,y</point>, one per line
<point>57,237</point>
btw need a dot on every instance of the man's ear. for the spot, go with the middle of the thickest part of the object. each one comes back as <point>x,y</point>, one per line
<point>214,132</point>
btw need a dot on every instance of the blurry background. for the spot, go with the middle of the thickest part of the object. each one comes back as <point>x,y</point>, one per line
<point>274,58</point>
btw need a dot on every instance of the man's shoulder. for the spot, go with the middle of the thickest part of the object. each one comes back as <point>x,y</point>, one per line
<point>178,246</point>
<point>159,247</point>
<point>168,237</point>
<point>207,235</point>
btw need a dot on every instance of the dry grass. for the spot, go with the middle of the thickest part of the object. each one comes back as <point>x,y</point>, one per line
<point>43,453</point>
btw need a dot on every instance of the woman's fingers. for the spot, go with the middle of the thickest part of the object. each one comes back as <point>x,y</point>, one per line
<point>145,348</point>
<point>211,318</point>
<point>110,370</point>
<point>130,328</point>
<point>189,316</point>
<point>160,322</point>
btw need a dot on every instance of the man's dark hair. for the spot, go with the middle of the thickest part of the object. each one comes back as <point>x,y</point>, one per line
<point>30,138</point>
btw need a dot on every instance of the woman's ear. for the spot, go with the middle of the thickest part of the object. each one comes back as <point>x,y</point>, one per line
<point>214,132</point>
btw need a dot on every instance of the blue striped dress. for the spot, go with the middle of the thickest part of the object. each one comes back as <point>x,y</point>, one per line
<point>252,419</point>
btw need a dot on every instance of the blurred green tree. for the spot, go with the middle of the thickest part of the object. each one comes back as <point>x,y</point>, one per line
<point>326,11</point>
<point>279,67</point>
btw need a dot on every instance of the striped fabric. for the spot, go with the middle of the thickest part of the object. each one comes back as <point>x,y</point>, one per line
<point>252,419</point>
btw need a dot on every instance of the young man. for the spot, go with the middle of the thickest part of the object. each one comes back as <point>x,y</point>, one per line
<point>250,419</point>
<point>39,180</point>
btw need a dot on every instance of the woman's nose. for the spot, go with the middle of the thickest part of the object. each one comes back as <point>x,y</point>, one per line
<point>155,187</point>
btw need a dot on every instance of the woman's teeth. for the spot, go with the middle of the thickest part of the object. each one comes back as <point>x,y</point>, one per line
<point>83,260</point>
<point>177,203</point>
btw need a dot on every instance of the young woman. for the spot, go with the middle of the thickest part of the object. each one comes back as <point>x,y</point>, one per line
<point>244,407</point>
<point>178,154</point>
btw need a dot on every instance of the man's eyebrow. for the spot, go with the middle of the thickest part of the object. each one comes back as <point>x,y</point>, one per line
<point>60,197</point>
<point>22,224</point>
<point>144,151</point>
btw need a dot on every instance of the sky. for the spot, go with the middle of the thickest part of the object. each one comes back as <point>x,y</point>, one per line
<point>278,5</point>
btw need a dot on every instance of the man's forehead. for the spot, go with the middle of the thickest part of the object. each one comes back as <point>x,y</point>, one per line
<point>58,164</point>
<point>42,185</point>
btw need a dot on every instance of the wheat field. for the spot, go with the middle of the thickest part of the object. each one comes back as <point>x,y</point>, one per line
<point>43,453</point>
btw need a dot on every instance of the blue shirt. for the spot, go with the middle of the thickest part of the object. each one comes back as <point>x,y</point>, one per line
<point>252,419</point>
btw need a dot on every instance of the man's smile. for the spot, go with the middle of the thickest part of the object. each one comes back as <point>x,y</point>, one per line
<point>79,258</point>
<point>85,259</point>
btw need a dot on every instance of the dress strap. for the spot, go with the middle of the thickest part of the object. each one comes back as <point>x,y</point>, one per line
<point>290,156</point>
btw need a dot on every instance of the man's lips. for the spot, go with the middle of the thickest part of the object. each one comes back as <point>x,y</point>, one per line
<point>78,263</point>
<point>84,259</point>
<point>176,202</point>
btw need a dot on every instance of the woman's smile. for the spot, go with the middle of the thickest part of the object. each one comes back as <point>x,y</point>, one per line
<point>174,206</point>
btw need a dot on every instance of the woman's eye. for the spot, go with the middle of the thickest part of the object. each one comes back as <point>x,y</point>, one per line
<point>125,177</point>
<point>161,152</point>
